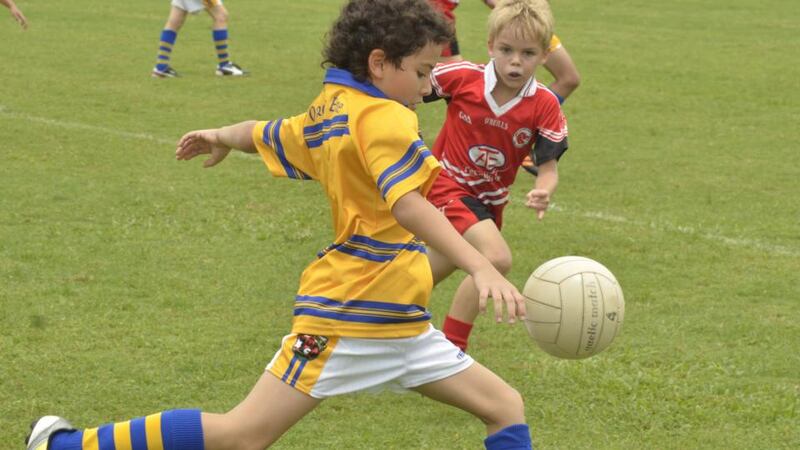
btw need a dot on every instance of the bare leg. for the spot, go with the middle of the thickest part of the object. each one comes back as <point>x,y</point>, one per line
<point>176,19</point>
<point>486,238</point>
<point>482,393</point>
<point>220,17</point>
<point>271,408</point>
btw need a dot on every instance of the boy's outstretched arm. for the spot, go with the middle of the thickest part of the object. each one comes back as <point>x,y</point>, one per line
<point>546,182</point>
<point>217,142</point>
<point>420,217</point>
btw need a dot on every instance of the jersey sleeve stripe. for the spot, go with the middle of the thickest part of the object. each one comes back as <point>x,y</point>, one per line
<point>444,68</point>
<point>554,136</point>
<point>271,136</point>
<point>408,164</point>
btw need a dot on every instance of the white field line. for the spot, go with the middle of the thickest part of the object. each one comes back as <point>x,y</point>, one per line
<point>5,112</point>
<point>755,244</point>
<point>82,126</point>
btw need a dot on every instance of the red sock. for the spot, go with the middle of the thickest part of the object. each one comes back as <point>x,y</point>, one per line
<point>456,332</point>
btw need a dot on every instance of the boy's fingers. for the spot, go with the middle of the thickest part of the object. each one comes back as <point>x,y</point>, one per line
<point>482,300</point>
<point>497,297</point>
<point>521,311</point>
<point>511,307</point>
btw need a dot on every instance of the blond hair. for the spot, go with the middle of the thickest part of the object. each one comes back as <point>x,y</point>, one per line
<point>530,19</point>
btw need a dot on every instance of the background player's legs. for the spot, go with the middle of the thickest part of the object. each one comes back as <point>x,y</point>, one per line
<point>219,32</point>
<point>169,35</point>
<point>487,239</point>
<point>271,408</point>
<point>485,395</point>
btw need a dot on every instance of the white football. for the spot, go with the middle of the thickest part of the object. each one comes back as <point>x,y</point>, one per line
<point>574,307</point>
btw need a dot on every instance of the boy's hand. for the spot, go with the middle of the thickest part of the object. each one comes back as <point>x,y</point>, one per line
<point>201,142</point>
<point>19,17</point>
<point>538,199</point>
<point>491,283</point>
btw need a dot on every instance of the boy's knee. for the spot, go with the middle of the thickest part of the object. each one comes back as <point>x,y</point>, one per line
<point>235,436</point>
<point>176,18</point>
<point>501,260</point>
<point>174,23</point>
<point>509,408</point>
<point>220,15</point>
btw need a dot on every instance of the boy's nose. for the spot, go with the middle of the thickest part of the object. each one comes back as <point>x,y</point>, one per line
<point>426,87</point>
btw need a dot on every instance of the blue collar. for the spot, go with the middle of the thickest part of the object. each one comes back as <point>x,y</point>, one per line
<point>345,78</point>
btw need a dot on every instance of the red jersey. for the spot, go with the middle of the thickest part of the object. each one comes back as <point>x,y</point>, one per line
<point>482,144</point>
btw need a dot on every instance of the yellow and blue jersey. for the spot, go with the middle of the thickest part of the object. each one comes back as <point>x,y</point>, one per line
<point>374,280</point>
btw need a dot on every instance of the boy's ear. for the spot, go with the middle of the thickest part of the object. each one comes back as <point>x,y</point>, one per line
<point>489,46</point>
<point>375,63</point>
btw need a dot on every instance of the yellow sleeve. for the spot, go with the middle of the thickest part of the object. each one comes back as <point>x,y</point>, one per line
<point>396,157</point>
<point>283,149</point>
<point>555,44</point>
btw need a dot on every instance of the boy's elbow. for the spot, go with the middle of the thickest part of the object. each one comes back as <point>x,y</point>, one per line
<point>572,81</point>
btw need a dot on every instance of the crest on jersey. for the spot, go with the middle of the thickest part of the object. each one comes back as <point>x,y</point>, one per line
<point>309,346</point>
<point>487,157</point>
<point>522,137</point>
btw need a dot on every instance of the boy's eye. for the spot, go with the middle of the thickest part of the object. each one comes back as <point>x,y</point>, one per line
<point>530,53</point>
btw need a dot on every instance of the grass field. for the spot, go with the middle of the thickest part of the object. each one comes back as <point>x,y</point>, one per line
<point>131,283</point>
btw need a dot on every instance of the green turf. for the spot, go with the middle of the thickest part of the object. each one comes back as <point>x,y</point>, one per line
<point>131,283</point>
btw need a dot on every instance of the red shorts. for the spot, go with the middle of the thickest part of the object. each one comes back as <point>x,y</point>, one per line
<point>461,207</point>
<point>448,9</point>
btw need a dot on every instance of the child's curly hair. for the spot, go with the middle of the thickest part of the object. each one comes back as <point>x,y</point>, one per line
<point>398,27</point>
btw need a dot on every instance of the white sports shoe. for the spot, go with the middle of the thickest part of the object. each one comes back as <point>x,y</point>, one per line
<point>169,72</point>
<point>230,69</point>
<point>43,428</point>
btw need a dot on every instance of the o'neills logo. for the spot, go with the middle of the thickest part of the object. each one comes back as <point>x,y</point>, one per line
<point>522,137</point>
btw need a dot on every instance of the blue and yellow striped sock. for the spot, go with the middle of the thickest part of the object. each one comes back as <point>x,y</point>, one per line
<point>168,38</point>
<point>177,429</point>
<point>221,43</point>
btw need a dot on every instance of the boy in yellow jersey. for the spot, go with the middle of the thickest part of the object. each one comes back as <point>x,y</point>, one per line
<point>361,319</point>
<point>177,16</point>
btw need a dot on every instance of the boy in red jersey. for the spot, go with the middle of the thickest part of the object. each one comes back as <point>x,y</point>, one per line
<point>559,63</point>
<point>497,114</point>
<point>361,321</point>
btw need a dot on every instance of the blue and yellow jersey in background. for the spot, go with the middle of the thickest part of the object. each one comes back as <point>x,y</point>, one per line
<point>374,280</point>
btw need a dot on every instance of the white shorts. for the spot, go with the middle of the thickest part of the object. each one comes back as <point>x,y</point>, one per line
<point>194,6</point>
<point>342,365</point>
